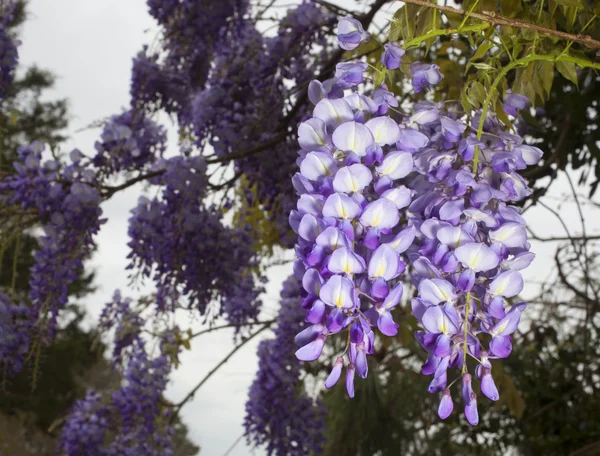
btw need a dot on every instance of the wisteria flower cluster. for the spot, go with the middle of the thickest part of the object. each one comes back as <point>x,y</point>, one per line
<point>363,172</point>
<point>278,411</point>
<point>133,419</point>
<point>68,202</point>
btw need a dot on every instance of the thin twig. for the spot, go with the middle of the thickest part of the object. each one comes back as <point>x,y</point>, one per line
<point>191,394</point>
<point>232,325</point>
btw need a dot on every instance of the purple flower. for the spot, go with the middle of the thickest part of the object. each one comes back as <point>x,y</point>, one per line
<point>351,33</point>
<point>392,56</point>
<point>424,75</point>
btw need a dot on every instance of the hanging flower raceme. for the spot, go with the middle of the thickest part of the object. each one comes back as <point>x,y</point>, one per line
<point>278,412</point>
<point>471,244</point>
<point>352,166</point>
<point>9,55</point>
<point>361,172</point>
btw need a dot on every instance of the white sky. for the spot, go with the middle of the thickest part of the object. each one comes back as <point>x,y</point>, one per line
<point>89,45</point>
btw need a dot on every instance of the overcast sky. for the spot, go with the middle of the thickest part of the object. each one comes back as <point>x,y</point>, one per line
<point>89,45</point>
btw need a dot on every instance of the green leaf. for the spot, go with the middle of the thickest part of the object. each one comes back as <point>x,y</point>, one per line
<point>568,70</point>
<point>482,50</point>
<point>570,3</point>
<point>510,8</point>
<point>484,66</point>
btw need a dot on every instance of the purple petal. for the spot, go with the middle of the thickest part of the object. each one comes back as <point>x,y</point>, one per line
<point>386,324</point>
<point>519,261</point>
<point>392,56</point>
<point>311,351</point>
<point>308,334</point>
<point>488,387</point>
<point>477,256</point>
<point>362,367</point>
<point>431,364</point>
<point>312,281</point>
<point>349,74</point>
<point>443,346</point>
<point>471,412</point>
<point>351,33</point>
<point>316,313</point>
<point>393,298</point>
<point>350,379</point>
<point>412,140</point>
<point>453,236</point>
<point>452,209</point>
<point>446,405</point>
<point>335,374</point>
<point>501,346</point>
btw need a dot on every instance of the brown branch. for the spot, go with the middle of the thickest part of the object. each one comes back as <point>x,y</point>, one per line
<point>191,394</point>
<point>110,190</point>
<point>231,325</point>
<point>494,18</point>
<point>247,153</point>
<point>565,238</point>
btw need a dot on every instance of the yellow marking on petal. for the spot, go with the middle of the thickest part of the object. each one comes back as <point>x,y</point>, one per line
<point>444,326</point>
<point>380,271</point>
<point>500,328</point>
<point>338,301</point>
<point>347,269</point>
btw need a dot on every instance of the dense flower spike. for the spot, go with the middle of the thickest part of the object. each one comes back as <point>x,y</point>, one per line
<point>15,327</point>
<point>361,173</point>
<point>278,412</point>
<point>9,55</point>
<point>188,251</point>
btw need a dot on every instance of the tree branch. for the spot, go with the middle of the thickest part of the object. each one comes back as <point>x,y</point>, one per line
<point>110,190</point>
<point>493,18</point>
<point>232,325</point>
<point>191,394</point>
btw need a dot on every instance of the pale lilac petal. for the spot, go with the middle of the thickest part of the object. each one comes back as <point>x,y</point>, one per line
<point>332,239</point>
<point>351,33</point>
<point>318,164</point>
<point>507,284</point>
<point>311,351</point>
<point>453,236</point>
<point>434,320</point>
<point>351,179</point>
<point>509,323</point>
<point>477,256</point>
<point>403,239</point>
<point>333,112</point>
<point>452,209</point>
<point>316,91</point>
<point>307,335</point>
<point>531,155</point>
<point>312,281</point>
<point>385,263</point>
<point>310,227</point>
<point>418,307</point>
<point>392,56</point>
<point>510,234</point>
<point>341,206</point>
<point>446,405</point>
<point>311,204</point>
<point>361,102</point>
<point>338,291</point>
<point>384,129</point>
<point>519,261</point>
<point>380,214</point>
<point>400,196</point>
<point>344,260</point>
<point>353,137</point>
<point>436,291</point>
<point>396,165</point>
<point>312,134</point>
<point>412,140</point>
